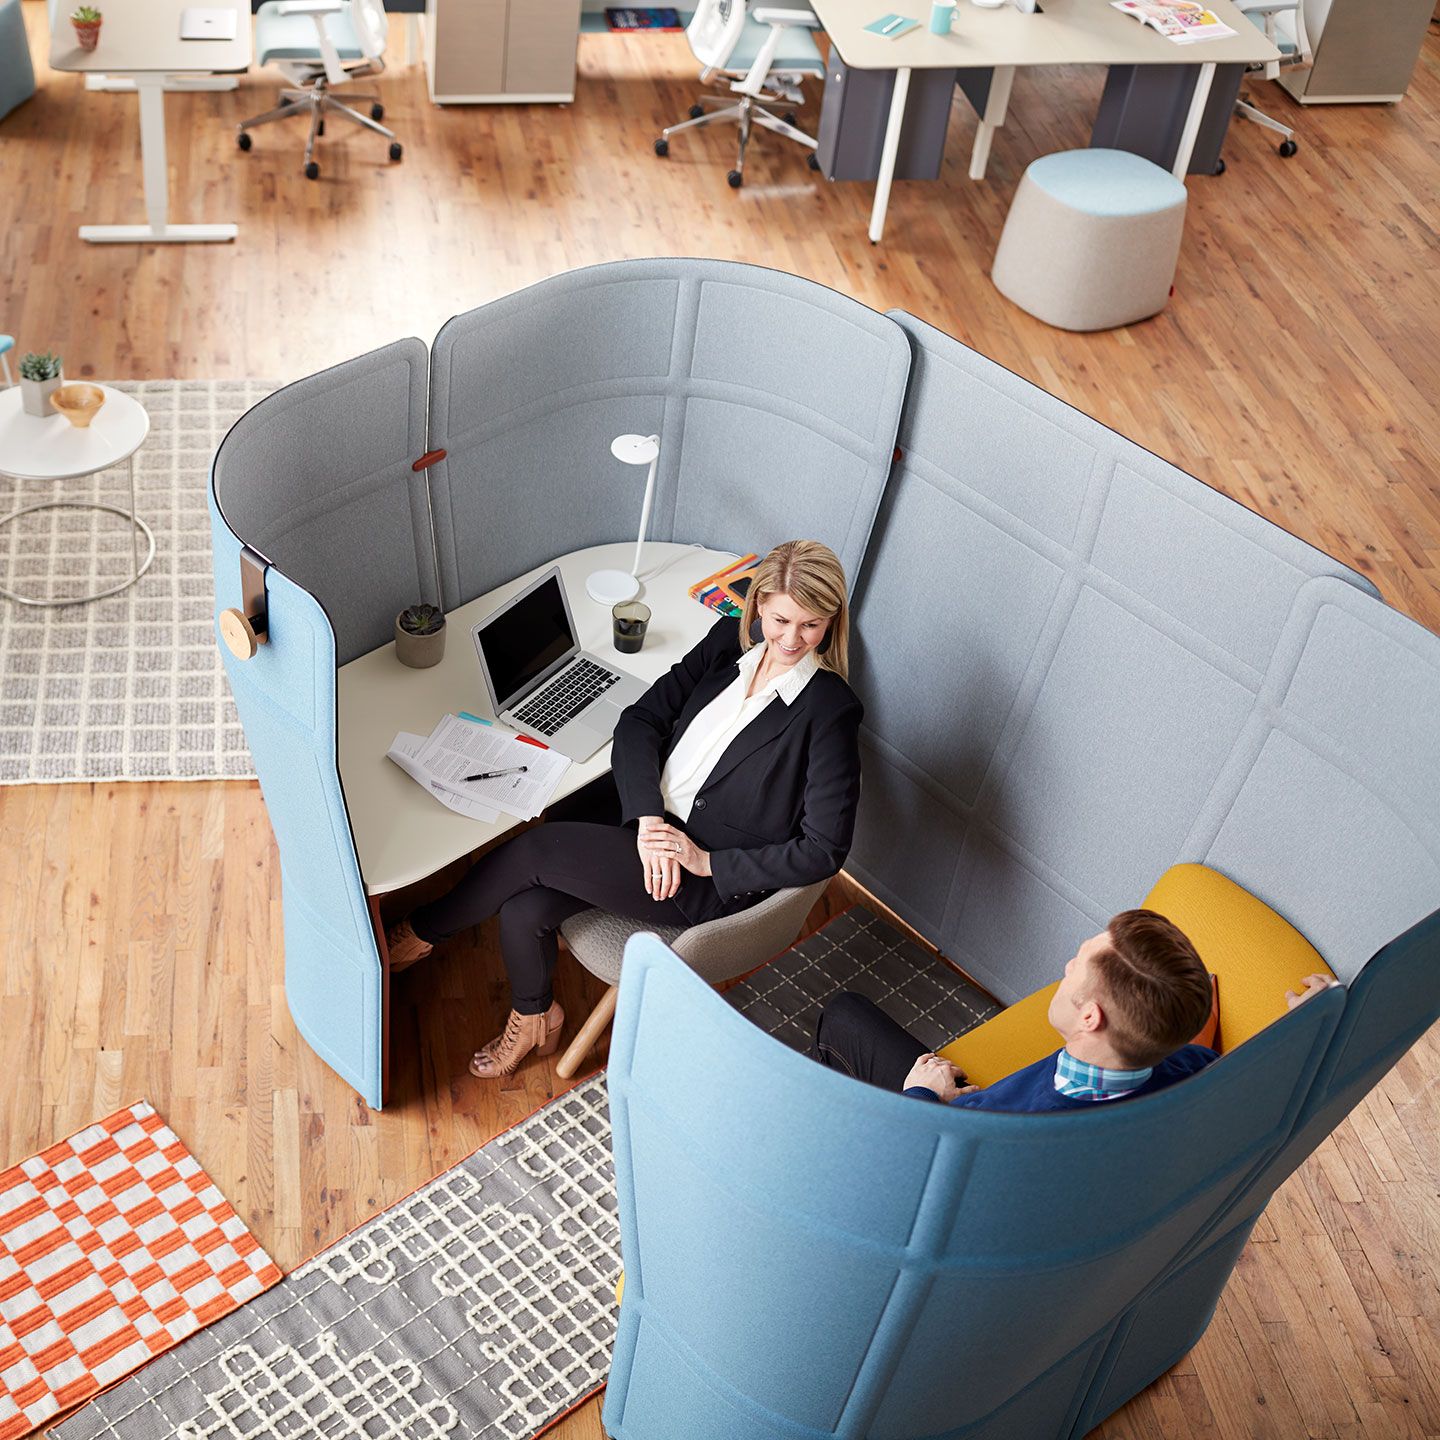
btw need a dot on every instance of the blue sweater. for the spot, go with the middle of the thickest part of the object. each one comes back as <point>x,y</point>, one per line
<point>1033,1088</point>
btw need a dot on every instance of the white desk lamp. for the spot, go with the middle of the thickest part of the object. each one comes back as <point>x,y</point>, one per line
<point>611,587</point>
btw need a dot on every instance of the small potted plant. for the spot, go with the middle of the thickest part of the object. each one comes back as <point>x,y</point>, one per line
<point>420,636</point>
<point>40,377</point>
<point>86,21</point>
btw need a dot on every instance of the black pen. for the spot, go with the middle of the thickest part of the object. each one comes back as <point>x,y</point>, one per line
<point>493,774</point>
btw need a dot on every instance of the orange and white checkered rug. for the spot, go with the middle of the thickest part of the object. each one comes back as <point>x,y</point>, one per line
<point>114,1246</point>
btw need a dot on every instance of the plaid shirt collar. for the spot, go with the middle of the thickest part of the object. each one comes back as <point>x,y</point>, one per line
<point>1082,1081</point>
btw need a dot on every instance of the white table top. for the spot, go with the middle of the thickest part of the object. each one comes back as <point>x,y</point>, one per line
<point>53,449</point>
<point>402,834</point>
<point>138,36</point>
<point>1069,32</point>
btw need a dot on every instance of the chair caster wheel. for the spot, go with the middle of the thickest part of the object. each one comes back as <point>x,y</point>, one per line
<point>736,179</point>
<point>662,146</point>
<point>696,111</point>
<point>312,171</point>
<point>813,161</point>
<point>243,140</point>
<point>788,117</point>
<point>1219,168</point>
<point>395,151</point>
<point>377,111</point>
<point>1288,148</point>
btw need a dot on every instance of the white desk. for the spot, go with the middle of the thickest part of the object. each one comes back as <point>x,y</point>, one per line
<point>141,38</point>
<point>1068,32</point>
<point>403,834</point>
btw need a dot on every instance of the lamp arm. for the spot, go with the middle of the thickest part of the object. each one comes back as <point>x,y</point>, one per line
<point>645,514</point>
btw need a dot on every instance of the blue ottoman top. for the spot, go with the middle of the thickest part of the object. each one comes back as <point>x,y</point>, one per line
<point>1106,182</point>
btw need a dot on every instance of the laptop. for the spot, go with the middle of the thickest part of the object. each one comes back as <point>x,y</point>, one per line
<point>540,681</point>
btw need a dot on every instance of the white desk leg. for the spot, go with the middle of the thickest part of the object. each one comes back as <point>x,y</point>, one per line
<point>1192,120</point>
<point>412,38</point>
<point>997,103</point>
<point>888,154</point>
<point>151,88</point>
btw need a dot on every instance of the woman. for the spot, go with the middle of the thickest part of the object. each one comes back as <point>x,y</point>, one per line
<point>734,775</point>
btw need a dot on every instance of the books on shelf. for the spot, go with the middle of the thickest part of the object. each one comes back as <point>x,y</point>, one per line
<point>724,591</point>
<point>1180,21</point>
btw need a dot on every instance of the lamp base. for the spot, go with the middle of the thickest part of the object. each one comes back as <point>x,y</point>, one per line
<point>611,587</point>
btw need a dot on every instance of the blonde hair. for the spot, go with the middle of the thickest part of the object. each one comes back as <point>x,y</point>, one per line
<point>811,575</point>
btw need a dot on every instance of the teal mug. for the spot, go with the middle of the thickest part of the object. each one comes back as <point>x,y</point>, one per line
<point>942,12</point>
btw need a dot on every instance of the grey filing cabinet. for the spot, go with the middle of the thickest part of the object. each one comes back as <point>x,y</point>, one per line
<point>1364,50</point>
<point>854,113</point>
<point>498,51</point>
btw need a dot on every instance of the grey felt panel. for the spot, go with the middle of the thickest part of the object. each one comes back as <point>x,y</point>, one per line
<point>318,479</point>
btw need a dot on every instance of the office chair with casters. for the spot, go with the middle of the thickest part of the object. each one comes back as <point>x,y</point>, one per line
<point>1289,37</point>
<point>316,44</point>
<point>716,950</point>
<point>763,53</point>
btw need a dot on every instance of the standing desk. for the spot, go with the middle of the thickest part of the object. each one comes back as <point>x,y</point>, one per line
<point>141,38</point>
<point>1068,32</point>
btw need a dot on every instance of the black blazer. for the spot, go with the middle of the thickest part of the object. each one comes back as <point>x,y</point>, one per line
<point>778,809</point>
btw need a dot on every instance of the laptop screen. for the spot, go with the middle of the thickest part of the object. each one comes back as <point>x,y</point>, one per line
<point>525,640</point>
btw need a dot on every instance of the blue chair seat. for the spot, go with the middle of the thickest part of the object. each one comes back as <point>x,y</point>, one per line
<point>797,51</point>
<point>292,37</point>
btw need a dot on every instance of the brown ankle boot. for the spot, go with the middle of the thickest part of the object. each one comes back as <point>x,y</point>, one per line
<point>523,1033</point>
<point>405,946</point>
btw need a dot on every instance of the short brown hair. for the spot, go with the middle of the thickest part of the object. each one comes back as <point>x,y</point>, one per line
<point>812,576</point>
<point>1156,986</point>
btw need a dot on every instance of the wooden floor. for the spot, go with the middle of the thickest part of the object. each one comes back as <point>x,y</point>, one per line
<point>1297,369</point>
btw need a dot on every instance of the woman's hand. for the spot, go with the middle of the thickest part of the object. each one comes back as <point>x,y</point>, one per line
<point>662,873</point>
<point>669,843</point>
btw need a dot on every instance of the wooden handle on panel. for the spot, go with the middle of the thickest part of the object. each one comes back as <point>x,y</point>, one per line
<point>239,634</point>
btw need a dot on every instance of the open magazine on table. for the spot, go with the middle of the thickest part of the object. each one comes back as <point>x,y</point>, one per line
<point>1181,21</point>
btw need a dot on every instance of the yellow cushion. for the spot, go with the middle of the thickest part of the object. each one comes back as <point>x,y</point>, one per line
<point>1257,954</point>
<point>1018,1036</point>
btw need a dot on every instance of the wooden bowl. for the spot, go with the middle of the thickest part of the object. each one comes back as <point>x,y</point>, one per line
<point>79,404</point>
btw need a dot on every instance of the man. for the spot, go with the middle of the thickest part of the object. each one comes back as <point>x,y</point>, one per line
<point>1132,999</point>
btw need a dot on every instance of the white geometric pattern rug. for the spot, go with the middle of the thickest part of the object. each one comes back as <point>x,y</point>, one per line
<point>130,687</point>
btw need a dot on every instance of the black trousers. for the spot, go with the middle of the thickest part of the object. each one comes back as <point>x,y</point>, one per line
<point>581,858</point>
<point>856,1036</point>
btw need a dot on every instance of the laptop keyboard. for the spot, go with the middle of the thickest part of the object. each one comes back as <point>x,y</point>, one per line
<point>562,700</point>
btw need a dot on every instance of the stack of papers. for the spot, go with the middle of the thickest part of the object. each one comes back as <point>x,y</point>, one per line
<point>456,748</point>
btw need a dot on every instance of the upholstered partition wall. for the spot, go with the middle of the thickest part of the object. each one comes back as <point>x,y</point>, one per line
<point>806,1256</point>
<point>1081,665</point>
<point>775,399</point>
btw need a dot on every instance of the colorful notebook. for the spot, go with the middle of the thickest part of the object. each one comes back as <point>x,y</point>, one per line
<point>725,590</point>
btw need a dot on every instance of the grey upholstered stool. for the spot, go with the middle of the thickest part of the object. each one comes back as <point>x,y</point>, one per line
<point>1091,239</point>
<point>717,950</point>
<point>17,74</point>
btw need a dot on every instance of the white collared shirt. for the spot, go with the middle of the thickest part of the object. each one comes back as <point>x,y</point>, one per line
<point>709,734</point>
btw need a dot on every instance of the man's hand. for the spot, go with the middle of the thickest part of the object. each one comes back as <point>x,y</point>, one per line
<point>1310,985</point>
<point>932,1073</point>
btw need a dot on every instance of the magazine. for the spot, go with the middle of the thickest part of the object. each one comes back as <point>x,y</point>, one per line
<point>1181,21</point>
<point>725,589</point>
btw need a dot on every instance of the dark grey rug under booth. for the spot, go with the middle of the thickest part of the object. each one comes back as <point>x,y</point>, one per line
<point>483,1305</point>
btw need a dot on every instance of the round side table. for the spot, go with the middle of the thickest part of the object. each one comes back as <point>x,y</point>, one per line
<point>53,449</point>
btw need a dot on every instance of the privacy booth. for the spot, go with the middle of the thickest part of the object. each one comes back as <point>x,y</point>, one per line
<point>1081,668</point>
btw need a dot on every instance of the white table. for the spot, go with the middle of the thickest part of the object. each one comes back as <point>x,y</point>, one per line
<point>402,834</point>
<point>1068,32</point>
<point>53,449</point>
<point>141,38</point>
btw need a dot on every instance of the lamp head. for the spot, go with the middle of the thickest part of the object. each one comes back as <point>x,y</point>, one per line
<point>635,449</point>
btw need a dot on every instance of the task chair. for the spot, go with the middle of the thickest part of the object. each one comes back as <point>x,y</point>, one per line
<point>717,950</point>
<point>1289,37</point>
<point>316,44</point>
<point>752,49</point>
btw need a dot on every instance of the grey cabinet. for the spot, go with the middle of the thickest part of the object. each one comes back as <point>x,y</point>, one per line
<point>854,113</point>
<point>491,51</point>
<point>1364,50</point>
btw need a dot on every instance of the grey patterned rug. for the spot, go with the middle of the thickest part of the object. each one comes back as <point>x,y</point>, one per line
<point>483,1305</point>
<point>130,687</point>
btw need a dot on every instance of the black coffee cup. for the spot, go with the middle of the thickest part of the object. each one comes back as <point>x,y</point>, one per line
<point>631,620</point>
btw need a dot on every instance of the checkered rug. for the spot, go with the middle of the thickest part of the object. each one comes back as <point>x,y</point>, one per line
<point>130,687</point>
<point>114,1246</point>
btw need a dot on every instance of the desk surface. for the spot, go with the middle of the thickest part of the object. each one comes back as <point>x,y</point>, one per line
<point>403,834</point>
<point>139,36</point>
<point>1069,32</point>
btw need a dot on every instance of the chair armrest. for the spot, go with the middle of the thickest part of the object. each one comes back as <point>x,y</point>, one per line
<point>309,7</point>
<point>767,15</point>
<point>1266,7</point>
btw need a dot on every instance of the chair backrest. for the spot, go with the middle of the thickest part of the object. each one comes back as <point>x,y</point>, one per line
<point>371,29</point>
<point>714,31</point>
<point>721,949</point>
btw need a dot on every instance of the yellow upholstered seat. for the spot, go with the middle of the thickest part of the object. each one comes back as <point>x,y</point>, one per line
<point>1257,955</point>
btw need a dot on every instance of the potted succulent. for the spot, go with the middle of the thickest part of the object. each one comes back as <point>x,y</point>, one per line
<point>420,636</point>
<point>40,377</point>
<point>86,21</point>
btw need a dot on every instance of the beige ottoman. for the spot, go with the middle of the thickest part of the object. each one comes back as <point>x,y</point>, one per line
<point>1091,239</point>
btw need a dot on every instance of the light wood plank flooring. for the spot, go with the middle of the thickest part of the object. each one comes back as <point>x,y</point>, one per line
<point>1296,369</point>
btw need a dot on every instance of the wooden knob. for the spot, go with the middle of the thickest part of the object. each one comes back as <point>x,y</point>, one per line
<point>238,633</point>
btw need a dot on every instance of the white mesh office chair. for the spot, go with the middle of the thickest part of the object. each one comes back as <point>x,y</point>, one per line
<point>1283,22</point>
<point>763,53</point>
<point>316,44</point>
